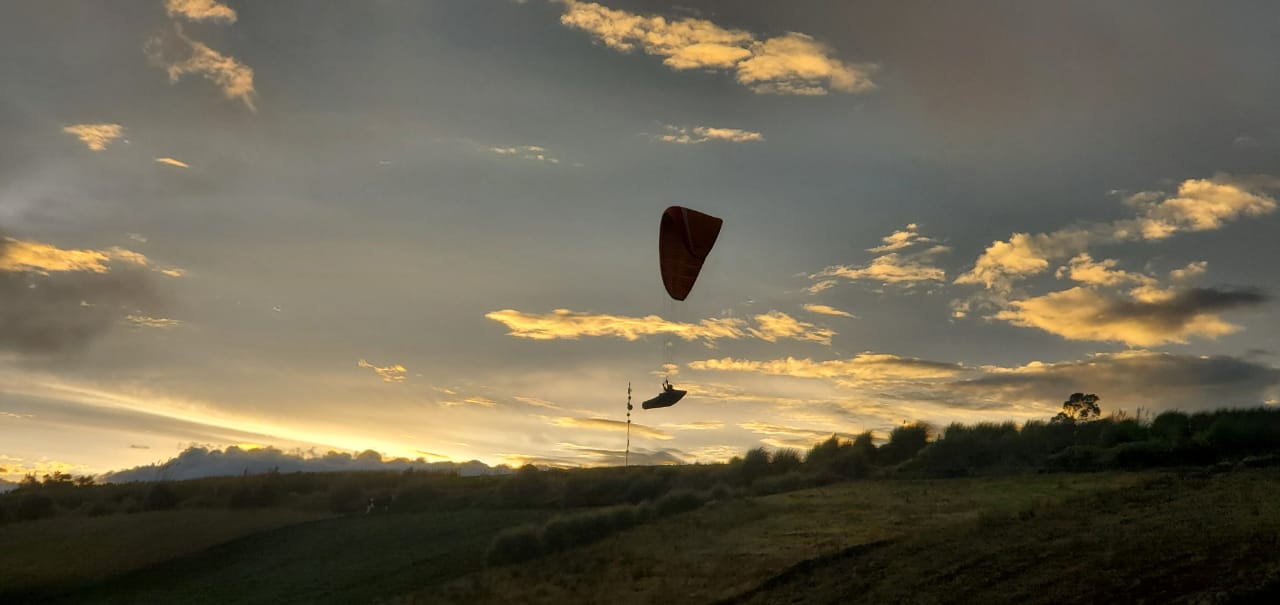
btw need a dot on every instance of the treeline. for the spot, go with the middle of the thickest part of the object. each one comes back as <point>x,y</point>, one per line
<point>1246,436</point>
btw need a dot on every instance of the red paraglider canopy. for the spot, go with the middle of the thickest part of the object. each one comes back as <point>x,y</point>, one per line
<point>685,239</point>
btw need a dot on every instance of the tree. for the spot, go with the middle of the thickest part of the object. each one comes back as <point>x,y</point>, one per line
<point>1079,408</point>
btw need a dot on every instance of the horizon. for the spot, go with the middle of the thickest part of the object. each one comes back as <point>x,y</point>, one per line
<point>430,230</point>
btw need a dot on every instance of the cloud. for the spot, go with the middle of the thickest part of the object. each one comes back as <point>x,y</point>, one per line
<point>483,402</point>
<point>702,134</point>
<point>604,424</point>
<point>888,269</point>
<point>696,426</point>
<point>776,325</point>
<point>95,136</point>
<point>536,402</point>
<point>861,367</point>
<point>898,240</point>
<point>391,373</point>
<point>139,447</point>
<point>196,462</point>
<point>894,266</point>
<point>159,323</point>
<point>527,152</point>
<point>764,428</point>
<point>793,63</point>
<point>56,300</point>
<point>825,310</point>
<point>638,456</point>
<point>200,10</point>
<point>1198,205</point>
<point>1130,379</point>
<point>566,324</point>
<point>1082,268</point>
<point>173,162</point>
<point>1152,317</point>
<point>179,55</point>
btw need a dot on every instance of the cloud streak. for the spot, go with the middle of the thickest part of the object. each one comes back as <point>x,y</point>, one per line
<point>180,56</point>
<point>894,267</point>
<point>172,162</point>
<point>604,424</point>
<point>790,64</point>
<point>682,135</point>
<point>200,10</point>
<point>392,373</point>
<point>571,325</point>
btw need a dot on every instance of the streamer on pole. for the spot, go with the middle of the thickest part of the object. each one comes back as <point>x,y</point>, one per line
<point>626,460</point>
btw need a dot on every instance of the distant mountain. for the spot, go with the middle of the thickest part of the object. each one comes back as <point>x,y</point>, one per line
<point>196,462</point>
<point>7,486</point>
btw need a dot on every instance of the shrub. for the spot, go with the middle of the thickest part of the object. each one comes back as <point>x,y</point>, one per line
<point>347,498</point>
<point>904,442</point>
<point>100,509</point>
<point>1171,426</point>
<point>1077,458</point>
<point>161,497</point>
<point>514,544</point>
<point>755,464</point>
<point>721,491</point>
<point>784,461</point>
<point>789,482</point>
<point>678,501</point>
<point>35,506</point>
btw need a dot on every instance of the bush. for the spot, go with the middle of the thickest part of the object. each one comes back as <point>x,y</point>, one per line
<point>514,544</point>
<point>1077,458</point>
<point>35,506</point>
<point>1138,454</point>
<point>904,442</point>
<point>784,461</point>
<point>755,464</point>
<point>678,501</point>
<point>721,491</point>
<point>347,498</point>
<point>161,497</point>
<point>789,482</point>
<point>100,509</point>
<point>1173,427</point>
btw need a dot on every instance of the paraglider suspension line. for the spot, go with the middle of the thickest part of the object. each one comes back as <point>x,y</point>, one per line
<point>626,459</point>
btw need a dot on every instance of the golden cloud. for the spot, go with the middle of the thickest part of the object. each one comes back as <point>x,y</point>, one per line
<point>1198,205</point>
<point>898,240</point>
<point>1082,268</point>
<point>776,325</point>
<point>95,136</point>
<point>20,255</point>
<point>571,325</point>
<point>861,367</point>
<point>702,134</point>
<point>563,323</point>
<point>1149,317</point>
<point>604,424</point>
<point>793,63</point>
<point>826,310</point>
<point>159,323</point>
<point>696,426</point>
<point>172,162</point>
<point>179,55</point>
<point>391,373</point>
<point>200,10</point>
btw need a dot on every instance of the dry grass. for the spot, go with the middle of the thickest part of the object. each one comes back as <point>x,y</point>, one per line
<point>729,547</point>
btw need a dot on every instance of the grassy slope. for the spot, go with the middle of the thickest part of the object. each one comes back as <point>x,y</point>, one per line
<point>70,552</point>
<point>731,547</point>
<point>1175,540</point>
<point>343,560</point>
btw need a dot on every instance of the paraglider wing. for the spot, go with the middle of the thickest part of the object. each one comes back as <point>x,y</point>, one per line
<point>685,238</point>
<point>668,398</point>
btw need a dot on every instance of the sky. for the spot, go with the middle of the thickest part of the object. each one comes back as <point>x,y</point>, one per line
<point>429,228</point>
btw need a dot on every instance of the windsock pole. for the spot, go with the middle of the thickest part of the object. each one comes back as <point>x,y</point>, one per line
<point>626,460</point>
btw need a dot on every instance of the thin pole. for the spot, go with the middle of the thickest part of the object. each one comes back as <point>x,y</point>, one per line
<point>626,460</point>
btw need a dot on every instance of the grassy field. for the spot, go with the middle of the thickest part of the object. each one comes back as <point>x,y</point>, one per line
<point>729,548</point>
<point>55,555</point>
<point>354,559</point>
<point>1153,537</point>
